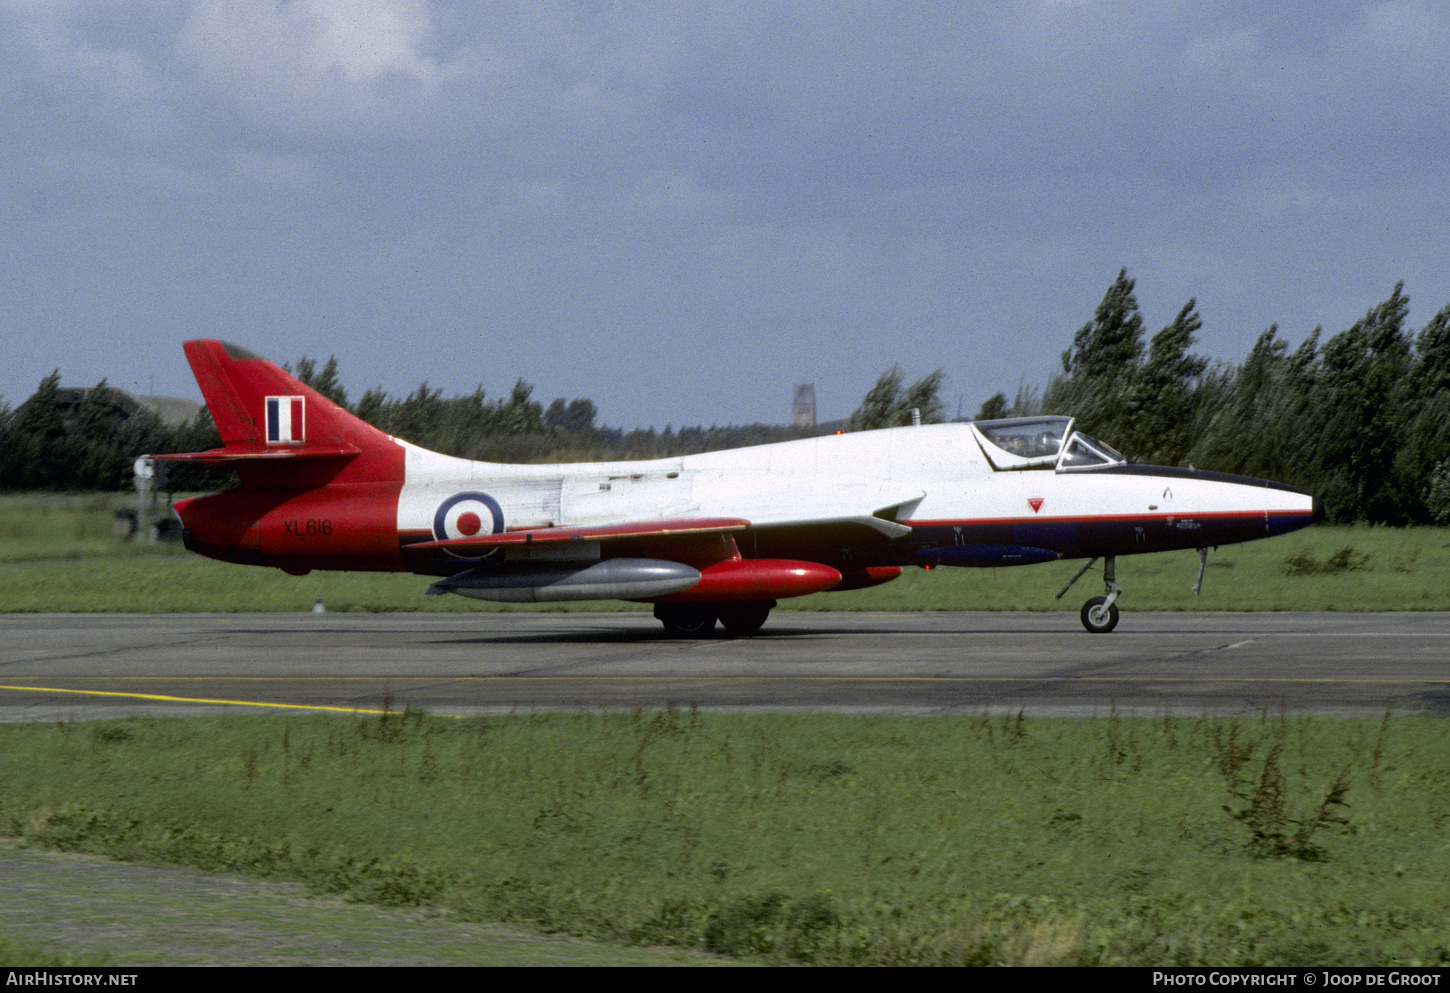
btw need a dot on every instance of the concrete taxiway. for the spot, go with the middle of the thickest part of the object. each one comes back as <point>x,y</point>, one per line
<point>55,667</point>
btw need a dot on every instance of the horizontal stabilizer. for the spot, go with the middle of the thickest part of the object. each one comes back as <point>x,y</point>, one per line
<point>231,456</point>
<point>602,532</point>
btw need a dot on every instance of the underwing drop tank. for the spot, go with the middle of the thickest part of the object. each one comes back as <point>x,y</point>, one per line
<point>612,579</point>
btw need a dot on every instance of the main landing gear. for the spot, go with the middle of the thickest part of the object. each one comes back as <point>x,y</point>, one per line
<point>741,618</point>
<point>1100,614</point>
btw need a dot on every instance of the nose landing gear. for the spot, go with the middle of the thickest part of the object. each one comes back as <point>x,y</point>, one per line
<point>1100,614</point>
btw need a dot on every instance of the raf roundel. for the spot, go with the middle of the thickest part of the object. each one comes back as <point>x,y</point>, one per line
<point>467,515</point>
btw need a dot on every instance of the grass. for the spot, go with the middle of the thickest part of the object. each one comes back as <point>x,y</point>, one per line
<point>17,953</point>
<point>46,526</point>
<point>58,554</point>
<point>812,839</point>
<point>78,910</point>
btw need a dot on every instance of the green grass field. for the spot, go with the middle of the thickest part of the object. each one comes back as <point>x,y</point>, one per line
<point>816,839</point>
<point>58,554</point>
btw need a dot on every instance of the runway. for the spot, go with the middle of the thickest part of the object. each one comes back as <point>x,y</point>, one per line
<point>58,667</point>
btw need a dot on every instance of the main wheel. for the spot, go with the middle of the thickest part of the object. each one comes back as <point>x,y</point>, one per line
<point>686,620</point>
<point>1097,618</point>
<point>745,618</point>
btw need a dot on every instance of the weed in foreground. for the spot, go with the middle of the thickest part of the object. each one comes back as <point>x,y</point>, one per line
<point>1303,563</point>
<point>771,925</point>
<point>1265,812</point>
<point>1261,803</point>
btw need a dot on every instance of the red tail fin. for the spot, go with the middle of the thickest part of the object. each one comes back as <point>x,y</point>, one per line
<point>279,431</point>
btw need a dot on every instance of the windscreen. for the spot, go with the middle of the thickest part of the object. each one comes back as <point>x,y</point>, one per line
<point>1084,450</point>
<point>1023,442</point>
<point>1042,443</point>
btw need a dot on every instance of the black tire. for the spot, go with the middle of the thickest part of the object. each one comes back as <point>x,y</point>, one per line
<point>1093,619</point>
<point>687,620</point>
<point>742,620</point>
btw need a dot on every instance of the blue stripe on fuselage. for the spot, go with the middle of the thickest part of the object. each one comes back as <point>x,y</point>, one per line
<point>1088,536</point>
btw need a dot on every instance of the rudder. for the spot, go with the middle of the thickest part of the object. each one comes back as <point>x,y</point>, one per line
<point>277,430</point>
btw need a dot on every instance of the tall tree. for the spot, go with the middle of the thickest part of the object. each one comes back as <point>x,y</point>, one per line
<point>1422,464</point>
<point>29,457</point>
<point>1356,413</point>
<point>994,407</point>
<point>878,406</point>
<point>1112,342</point>
<point>327,382</point>
<point>575,416</point>
<point>1098,373</point>
<point>888,405</point>
<point>1165,393</point>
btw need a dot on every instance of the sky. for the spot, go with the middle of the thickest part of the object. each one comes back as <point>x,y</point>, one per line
<point>681,210</point>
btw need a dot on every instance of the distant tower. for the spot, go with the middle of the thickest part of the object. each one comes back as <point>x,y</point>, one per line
<point>804,409</point>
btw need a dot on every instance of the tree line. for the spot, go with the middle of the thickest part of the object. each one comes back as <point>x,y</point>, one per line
<point>50,444</point>
<point>1361,418</point>
<point>517,428</point>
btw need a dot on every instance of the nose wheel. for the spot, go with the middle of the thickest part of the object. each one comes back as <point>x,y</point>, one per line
<point>1100,614</point>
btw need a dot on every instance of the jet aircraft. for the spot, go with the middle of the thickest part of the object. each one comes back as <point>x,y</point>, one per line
<point>718,537</point>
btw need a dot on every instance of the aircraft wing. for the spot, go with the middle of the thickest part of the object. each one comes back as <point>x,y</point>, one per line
<point>826,513</point>
<point>597,532</point>
<point>795,519</point>
<point>822,502</point>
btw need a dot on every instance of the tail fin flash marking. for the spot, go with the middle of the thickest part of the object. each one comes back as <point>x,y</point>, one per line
<point>286,420</point>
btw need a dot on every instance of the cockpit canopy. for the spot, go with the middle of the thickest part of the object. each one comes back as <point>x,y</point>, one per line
<point>1042,443</point>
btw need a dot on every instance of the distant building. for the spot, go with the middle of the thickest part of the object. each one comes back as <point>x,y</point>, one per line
<point>173,411</point>
<point>804,409</point>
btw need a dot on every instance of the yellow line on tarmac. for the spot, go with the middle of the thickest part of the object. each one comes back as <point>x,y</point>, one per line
<point>183,699</point>
<point>706,678</point>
